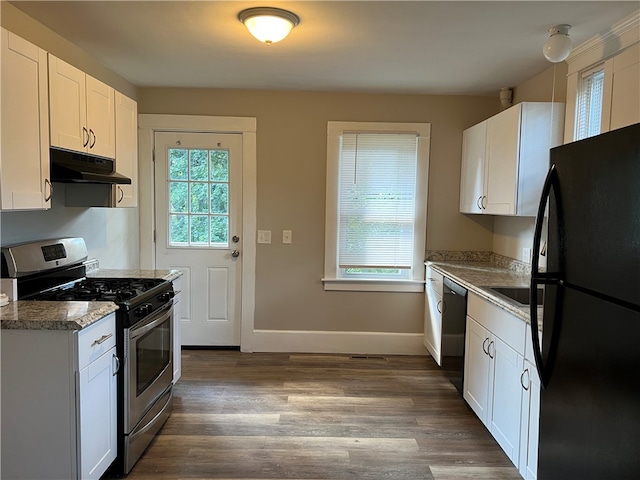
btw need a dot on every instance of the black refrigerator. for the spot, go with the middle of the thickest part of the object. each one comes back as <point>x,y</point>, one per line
<point>589,355</point>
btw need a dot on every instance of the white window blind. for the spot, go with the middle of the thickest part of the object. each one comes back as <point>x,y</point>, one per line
<point>589,108</point>
<point>377,200</point>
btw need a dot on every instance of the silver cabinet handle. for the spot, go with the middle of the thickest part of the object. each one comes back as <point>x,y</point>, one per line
<point>486,352</point>
<point>478,202</point>
<point>121,194</point>
<point>115,357</point>
<point>526,387</point>
<point>102,339</point>
<point>93,135</point>
<point>85,133</point>
<point>489,350</point>
<point>235,254</point>
<point>484,202</point>
<point>438,306</point>
<point>47,182</point>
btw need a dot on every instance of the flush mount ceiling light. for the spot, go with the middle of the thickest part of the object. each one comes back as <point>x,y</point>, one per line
<point>558,47</point>
<point>267,24</point>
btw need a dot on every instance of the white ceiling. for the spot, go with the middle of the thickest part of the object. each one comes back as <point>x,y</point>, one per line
<point>429,47</point>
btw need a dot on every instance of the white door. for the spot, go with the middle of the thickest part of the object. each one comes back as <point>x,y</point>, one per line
<point>198,191</point>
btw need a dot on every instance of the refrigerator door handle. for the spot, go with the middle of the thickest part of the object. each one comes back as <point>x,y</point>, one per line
<point>541,278</point>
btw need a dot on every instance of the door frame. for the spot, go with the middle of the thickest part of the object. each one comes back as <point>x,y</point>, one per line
<point>148,125</point>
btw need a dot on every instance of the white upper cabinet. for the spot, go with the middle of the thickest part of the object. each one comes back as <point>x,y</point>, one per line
<point>621,99</point>
<point>24,161</point>
<point>82,111</point>
<point>474,141</point>
<point>505,159</point>
<point>126,150</point>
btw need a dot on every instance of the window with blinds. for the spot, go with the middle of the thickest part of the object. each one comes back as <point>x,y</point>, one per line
<point>376,212</point>
<point>377,196</point>
<point>589,104</point>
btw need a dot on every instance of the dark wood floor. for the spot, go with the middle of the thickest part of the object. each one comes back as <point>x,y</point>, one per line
<point>302,416</point>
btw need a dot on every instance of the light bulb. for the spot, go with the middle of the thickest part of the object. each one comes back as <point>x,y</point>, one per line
<point>558,46</point>
<point>269,25</point>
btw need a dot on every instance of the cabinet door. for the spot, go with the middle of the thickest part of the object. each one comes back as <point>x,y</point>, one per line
<point>476,369</point>
<point>621,99</point>
<point>505,397</point>
<point>100,118</point>
<point>472,168</point>
<point>68,106</point>
<point>126,150</point>
<point>433,315</point>
<point>97,413</point>
<point>529,424</point>
<point>501,170</point>
<point>24,163</point>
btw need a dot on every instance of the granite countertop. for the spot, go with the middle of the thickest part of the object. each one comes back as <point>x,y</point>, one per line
<point>474,275</point>
<point>53,315</point>
<point>134,273</point>
<point>70,315</point>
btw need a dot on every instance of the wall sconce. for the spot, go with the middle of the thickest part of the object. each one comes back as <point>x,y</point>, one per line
<point>267,24</point>
<point>558,46</point>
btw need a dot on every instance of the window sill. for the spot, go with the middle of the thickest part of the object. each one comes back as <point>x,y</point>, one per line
<point>371,285</point>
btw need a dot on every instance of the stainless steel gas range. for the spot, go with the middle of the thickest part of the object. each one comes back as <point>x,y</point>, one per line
<point>55,270</point>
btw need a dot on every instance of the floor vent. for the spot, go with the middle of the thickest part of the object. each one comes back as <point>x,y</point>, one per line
<point>367,357</point>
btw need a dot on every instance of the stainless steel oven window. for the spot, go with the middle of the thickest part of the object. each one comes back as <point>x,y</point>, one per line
<point>153,351</point>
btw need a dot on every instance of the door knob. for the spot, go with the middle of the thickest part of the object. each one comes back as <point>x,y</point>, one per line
<point>235,254</point>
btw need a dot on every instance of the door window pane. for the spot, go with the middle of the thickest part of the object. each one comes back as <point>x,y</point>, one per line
<point>178,193</point>
<point>198,197</point>
<point>199,229</point>
<point>220,230</point>
<point>220,165</point>
<point>219,198</point>
<point>178,164</point>
<point>198,165</point>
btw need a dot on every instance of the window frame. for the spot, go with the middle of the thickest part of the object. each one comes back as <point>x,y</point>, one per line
<point>585,75</point>
<point>332,279</point>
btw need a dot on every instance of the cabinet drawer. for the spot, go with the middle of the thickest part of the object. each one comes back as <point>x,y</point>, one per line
<point>434,280</point>
<point>96,339</point>
<point>507,327</point>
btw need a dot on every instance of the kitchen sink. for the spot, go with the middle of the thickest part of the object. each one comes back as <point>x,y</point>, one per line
<point>517,295</point>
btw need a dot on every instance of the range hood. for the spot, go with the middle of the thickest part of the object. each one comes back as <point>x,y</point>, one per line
<point>73,167</point>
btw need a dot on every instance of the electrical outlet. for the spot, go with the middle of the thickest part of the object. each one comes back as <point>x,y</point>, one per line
<point>526,255</point>
<point>264,236</point>
<point>286,236</point>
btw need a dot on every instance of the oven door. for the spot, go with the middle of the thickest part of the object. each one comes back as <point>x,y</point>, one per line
<point>149,365</point>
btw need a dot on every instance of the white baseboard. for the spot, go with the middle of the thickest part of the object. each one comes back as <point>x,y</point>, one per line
<point>370,343</point>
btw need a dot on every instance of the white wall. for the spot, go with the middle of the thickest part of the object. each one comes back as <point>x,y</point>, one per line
<point>111,234</point>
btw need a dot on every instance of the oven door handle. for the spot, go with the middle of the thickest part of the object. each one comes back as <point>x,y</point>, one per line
<point>152,322</point>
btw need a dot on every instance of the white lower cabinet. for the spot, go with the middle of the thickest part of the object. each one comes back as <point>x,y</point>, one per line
<point>59,404</point>
<point>530,418</point>
<point>433,314</point>
<point>494,358</point>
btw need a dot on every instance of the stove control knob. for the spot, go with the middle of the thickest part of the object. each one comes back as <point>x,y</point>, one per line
<point>166,296</point>
<point>144,310</point>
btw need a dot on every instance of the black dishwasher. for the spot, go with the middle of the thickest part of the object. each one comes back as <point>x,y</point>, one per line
<point>454,321</point>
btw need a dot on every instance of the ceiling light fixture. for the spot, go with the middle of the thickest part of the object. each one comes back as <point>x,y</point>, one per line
<point>267,24</point>
<point>558,46</point>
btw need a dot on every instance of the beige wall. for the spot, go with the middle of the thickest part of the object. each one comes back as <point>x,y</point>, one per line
<point>512,234</point>
<point>17,22</point>
<point>291,156</point>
